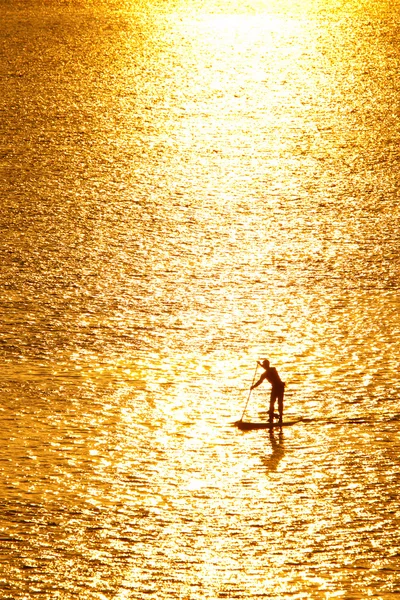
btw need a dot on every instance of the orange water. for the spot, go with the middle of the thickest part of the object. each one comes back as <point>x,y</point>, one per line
<point>187,187</point>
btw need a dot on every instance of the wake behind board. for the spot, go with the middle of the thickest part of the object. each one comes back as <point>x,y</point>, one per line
<point>245,426</point>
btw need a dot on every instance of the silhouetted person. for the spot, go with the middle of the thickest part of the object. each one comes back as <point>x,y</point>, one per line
<point>277,390</point>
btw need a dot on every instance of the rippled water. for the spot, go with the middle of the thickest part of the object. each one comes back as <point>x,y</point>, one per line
<point>187,187</point>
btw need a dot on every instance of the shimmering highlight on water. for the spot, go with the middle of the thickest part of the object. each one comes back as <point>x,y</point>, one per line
<point>187,187</point>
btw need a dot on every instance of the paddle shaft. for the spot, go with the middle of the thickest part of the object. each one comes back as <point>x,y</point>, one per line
<point>248,398</point>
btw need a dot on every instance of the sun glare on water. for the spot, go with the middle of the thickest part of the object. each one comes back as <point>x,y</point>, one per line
<point>192,186</point>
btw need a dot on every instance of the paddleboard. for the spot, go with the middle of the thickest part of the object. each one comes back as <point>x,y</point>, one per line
<point>245,426</point>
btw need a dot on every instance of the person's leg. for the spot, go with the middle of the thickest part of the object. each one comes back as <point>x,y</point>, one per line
<point>280,404</point>
<point>271,406</point>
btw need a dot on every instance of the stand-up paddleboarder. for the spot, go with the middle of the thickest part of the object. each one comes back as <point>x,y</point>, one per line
<point>277,390</point>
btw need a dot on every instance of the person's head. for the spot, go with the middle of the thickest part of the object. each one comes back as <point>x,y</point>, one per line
<point>265,363</point>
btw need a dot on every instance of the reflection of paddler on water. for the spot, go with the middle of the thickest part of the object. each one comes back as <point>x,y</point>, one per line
<point>278,451</point>
<point>277,390</point>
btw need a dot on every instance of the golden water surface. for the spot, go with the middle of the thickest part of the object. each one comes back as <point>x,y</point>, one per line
<point>188,186</point>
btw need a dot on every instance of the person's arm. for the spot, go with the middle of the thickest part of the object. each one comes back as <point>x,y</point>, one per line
<point>259,381</point>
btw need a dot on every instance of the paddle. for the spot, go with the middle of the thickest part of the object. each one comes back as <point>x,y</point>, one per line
<point>255,372</point>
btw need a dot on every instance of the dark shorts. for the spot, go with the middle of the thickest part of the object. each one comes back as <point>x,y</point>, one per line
<point>278,388</point>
